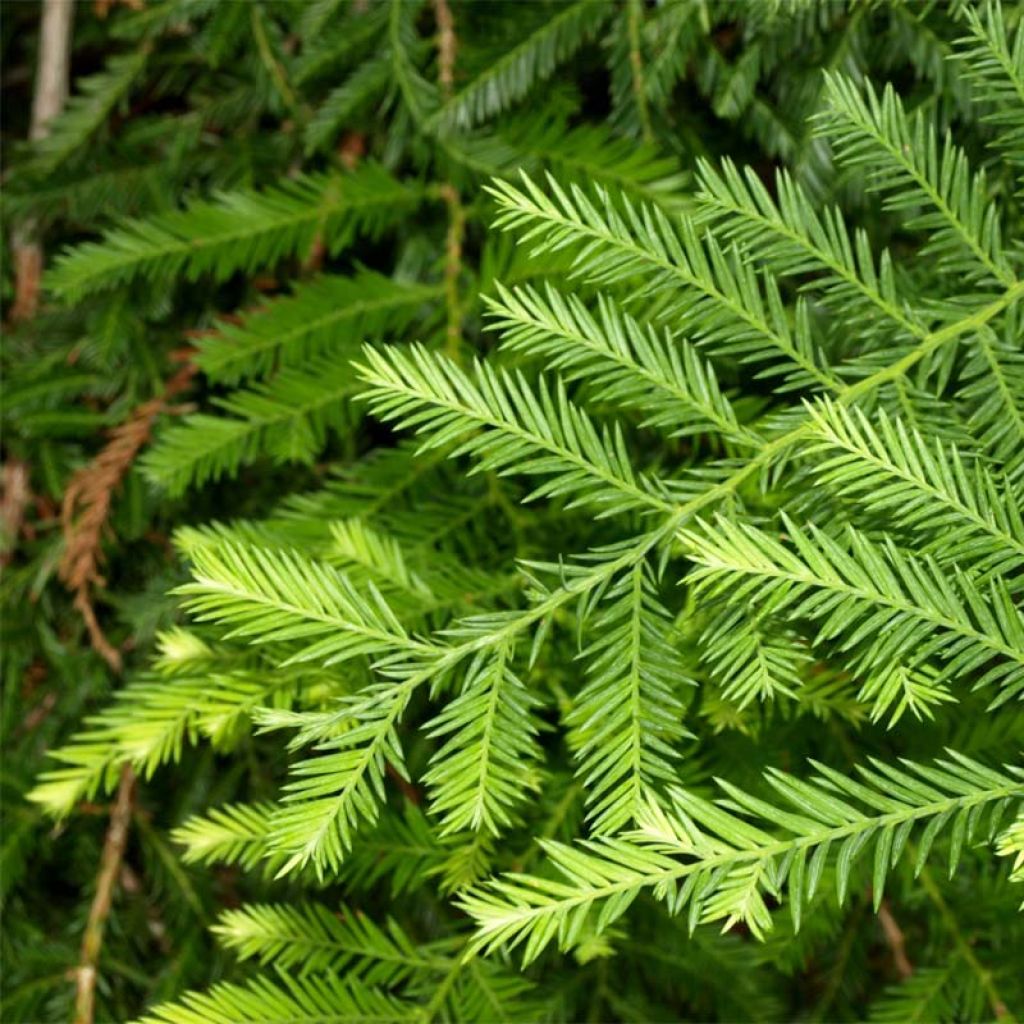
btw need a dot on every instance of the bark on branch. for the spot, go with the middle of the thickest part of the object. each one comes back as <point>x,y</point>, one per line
<point>51,93</point>
<point>894,940</point>
<point>99,911</point>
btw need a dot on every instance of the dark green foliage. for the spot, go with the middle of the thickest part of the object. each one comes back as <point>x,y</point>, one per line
<point>582,577</point>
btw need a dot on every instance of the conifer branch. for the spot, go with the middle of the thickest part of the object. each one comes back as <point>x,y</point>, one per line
<point>866,127</point>
<point>789,233</point>
<point>761,439</point>
<point>242,230</point>
<point>702,857</point>
<point>982,973</point>
<point>544,433</point>
<point>531,61</point>
<point>614,244</point>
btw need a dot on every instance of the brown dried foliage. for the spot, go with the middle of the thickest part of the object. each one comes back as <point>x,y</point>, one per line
<point>87,503</point>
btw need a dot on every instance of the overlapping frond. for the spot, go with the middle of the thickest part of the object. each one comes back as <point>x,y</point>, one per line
<point>330,41</point>
<point>720,861</point>
<point>703,288</point>
<point>625,363</point>
<point>341,786</point>
<point>328,315</point>
<point>923,996</point>
<point>591,153</point>
<point>210,694</point>
<point>525,64</point>
<point>905,159</point>
<point>751,659</point>
<point>881,607</point>
<point>401,853</point>
<point>87,111</point>
<point>313,999</point>
<point>790,234</point>
<point>420,96</point>
<point>415,578</point>
<point>992,57</point>
<point>380,555</point>
<point>485,768</point>
<point>230,834</point>
<point>626,723</point>
<point>361,89</point>
<point>318,939</point>
<point>509,426</point>
<point>244,230</point>
<point>960,512</point>
<point>993,389</point>
<point>286,418</point>
<point>267,596</point>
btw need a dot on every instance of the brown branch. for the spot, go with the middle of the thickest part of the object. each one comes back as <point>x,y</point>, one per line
<point>453,268</point>
<point>110,863</point>
<point>39,713</point>
<point>350,152</point>
<point>87,502</point>
<point>16,496</point>
<point>409,791</point>
<point>352,149</point>
<point>447,44</point>
<point>51,93</point>
<point>101,8</point>
<point>894,940</point>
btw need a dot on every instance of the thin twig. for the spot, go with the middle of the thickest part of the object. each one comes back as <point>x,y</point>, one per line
<point>636,62</point>
<point>447,43</point>
<point>276,71</point>
<point>110,863</point>
<point>409,791</point>
<point>453,268</point>
<point>51,93</point>
<point>894,940</point>
<point>14,500</point>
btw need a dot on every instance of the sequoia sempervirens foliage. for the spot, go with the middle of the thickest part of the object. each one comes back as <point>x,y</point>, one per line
<point>602,545</point>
